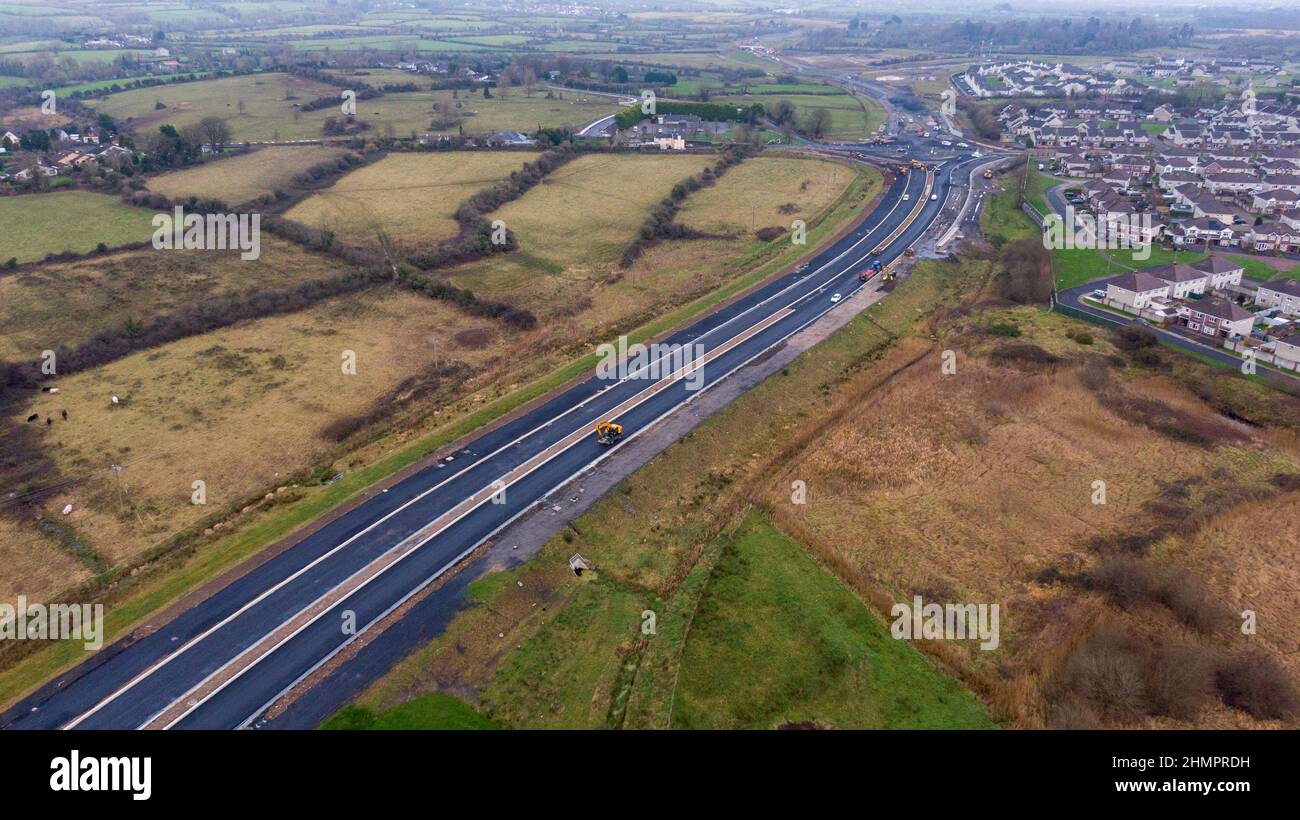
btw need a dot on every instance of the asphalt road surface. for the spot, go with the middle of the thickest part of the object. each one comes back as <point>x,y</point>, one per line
<point>224,661</point>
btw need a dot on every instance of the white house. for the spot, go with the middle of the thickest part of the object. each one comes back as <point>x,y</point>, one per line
<point>1286,351</point>
<point>1134,291</point>
<point>1284,295</point>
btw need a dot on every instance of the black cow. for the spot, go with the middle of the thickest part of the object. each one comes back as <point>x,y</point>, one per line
<point>33,417</point>
<point>65,415</point>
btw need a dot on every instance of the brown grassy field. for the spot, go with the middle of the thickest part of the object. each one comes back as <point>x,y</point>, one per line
<point>979,487</point>
<point>31,116</point>
<point>409,197</point>
<point>239,179</point>
<point>241,409</point>
<point>35,565</point>
<point>573,227</point>
<point>66,303</point>
<point>268,108</point>
<point>572,277</point>
<point>766,191</point>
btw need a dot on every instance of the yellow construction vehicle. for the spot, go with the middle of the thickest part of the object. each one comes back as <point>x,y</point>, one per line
<point>918,165</point>
<point>609,432</point>
<point>988,173</point>
<point>902,169</point>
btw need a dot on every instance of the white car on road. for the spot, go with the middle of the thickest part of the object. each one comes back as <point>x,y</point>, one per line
<point>836,298</point>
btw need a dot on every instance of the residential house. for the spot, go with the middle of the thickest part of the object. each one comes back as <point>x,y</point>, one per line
<point>1207,207</point>
<point>1222,271</point>
<point>1218,317</point>
<point>509,138</point>
<point>1274,236</point>
<point>1206,231</point>
<point>1284,295</point>
<point>1286,351</point>
<point>1170,180</point>
<point>1231,183</point>
<point>1272,201</point>
<point>1134,291</point>
<point>1076,165</point>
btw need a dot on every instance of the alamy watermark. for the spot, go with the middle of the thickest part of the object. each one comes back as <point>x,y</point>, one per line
<point>655,361</point>
<point>182,231</point>
<point>53,622</point>
<point>1113,232</point>
<point>75,773</point>
<point>946,622</point>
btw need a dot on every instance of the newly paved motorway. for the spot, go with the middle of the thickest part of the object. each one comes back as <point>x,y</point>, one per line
<point>221,663</point>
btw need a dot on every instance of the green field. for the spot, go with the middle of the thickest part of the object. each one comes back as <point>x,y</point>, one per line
<point>1002,220</point>
<point>778,640</point>
<point>1077,266</point>
<point>268,102</point>
<point>240,178</point>
<point>432,711</point>
<point>1036,186</point>
<point>105,55</point>
<point>38,224</point>
<point>410,198</point>
<point>387,42</point>
<point>516,111</point>
<point>852,117</point>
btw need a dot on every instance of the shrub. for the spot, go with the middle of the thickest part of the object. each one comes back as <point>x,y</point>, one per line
<point>1107,673</point>
<point>1134,337</point>
<point>1131,582</point>
<point>1181,680</point>
<point>1253,682</point>
<point>1024,355</point>
<point>1003,329</point>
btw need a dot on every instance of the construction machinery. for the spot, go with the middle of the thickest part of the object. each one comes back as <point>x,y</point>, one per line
<point>988,173</point>
<point>918,165</point>
<point>875,268</point>
<point>902,169</point>
<point>609,433</point>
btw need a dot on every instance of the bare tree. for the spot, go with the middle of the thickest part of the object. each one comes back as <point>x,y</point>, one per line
<point>215,131</point>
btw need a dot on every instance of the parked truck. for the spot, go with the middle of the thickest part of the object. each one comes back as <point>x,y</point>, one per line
<point>875,268</point>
